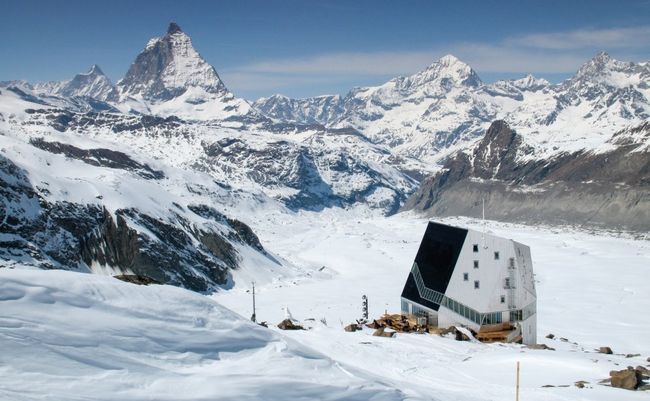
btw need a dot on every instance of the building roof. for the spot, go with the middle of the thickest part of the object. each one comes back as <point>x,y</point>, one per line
<point>436,259</point>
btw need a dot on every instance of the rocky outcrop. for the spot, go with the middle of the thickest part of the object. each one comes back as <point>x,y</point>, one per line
<point>608,189</point>
<point>171,248</point>
<point>99,157</point>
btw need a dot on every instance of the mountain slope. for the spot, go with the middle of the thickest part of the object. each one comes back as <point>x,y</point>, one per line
<point>75,202</point>
<point>609,188</point>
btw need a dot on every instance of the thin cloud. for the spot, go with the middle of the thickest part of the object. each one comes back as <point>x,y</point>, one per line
<point>503,59</point>
<point>377,63</point>
<point>613,38</point>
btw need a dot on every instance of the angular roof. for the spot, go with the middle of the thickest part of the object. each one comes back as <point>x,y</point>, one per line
<point>436,259</point>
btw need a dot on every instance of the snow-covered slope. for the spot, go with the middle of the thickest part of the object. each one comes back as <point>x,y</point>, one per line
<point>169,77</point>
<point>71,336</point>
<point>167,198</point>
<point>588,287</point>
<point>83,201</point>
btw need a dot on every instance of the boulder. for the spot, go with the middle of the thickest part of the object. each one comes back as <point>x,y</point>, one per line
<point>381,333</point>
<point>605,350</point>
<point>540,346</point>
<point>581,383</point>
<point>550,336</point>
<point>352,327</point>
<point>460,336</point>
<point>287,324</point>
<point>628,379</point>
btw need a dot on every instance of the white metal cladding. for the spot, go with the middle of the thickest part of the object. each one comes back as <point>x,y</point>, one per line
<point>463,310</point>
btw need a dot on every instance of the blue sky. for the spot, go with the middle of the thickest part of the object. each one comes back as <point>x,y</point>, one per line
<point>304,48</point>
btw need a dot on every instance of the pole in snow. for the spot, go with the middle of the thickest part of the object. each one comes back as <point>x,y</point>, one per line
<point>253,316</point>
<point>517,390</point>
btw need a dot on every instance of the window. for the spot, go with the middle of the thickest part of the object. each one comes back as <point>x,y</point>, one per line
<point>496,255</point>
<point>466,276</point>
<point>503,299</point>
<point>512,263</point>
<point>476,264</point>
<point>507,284</point>
<point>476,284</point>
<point>475,247</point>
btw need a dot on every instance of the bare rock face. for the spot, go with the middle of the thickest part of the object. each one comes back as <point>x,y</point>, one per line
<point>168,249</point>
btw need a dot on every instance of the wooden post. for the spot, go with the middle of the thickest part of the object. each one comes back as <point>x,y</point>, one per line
<point>517,391</point>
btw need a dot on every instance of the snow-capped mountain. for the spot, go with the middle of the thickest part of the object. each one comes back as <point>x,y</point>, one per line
<point>93,84</point>
<point>169,77</point>
<point>163,197</point>
<point>313,110</point>
<point>446,107</point>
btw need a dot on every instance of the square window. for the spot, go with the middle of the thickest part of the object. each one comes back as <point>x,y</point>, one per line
<point>476,264</point>
<point>503,299</point>
<point>496,255</point>
<point>475,247</point>
<point>476,284</point>
<point>466,276</point>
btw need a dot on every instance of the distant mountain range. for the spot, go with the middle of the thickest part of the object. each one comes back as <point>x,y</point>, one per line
<point>158,173</point>
<point>445,107</point>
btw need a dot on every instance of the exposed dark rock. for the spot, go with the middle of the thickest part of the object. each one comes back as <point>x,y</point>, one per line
<point>287,324</point>
<point>136,279</point>
<point>605,350</point>
<point>99,157</point>
<point>173,28</point>
<point>65,235</point>
<point>352,327</point>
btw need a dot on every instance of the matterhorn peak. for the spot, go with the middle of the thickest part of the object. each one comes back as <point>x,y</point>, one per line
<point>169,67</point>
<point>173,28</point>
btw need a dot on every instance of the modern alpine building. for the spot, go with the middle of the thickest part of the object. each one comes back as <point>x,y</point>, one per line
<point>473,279</point>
